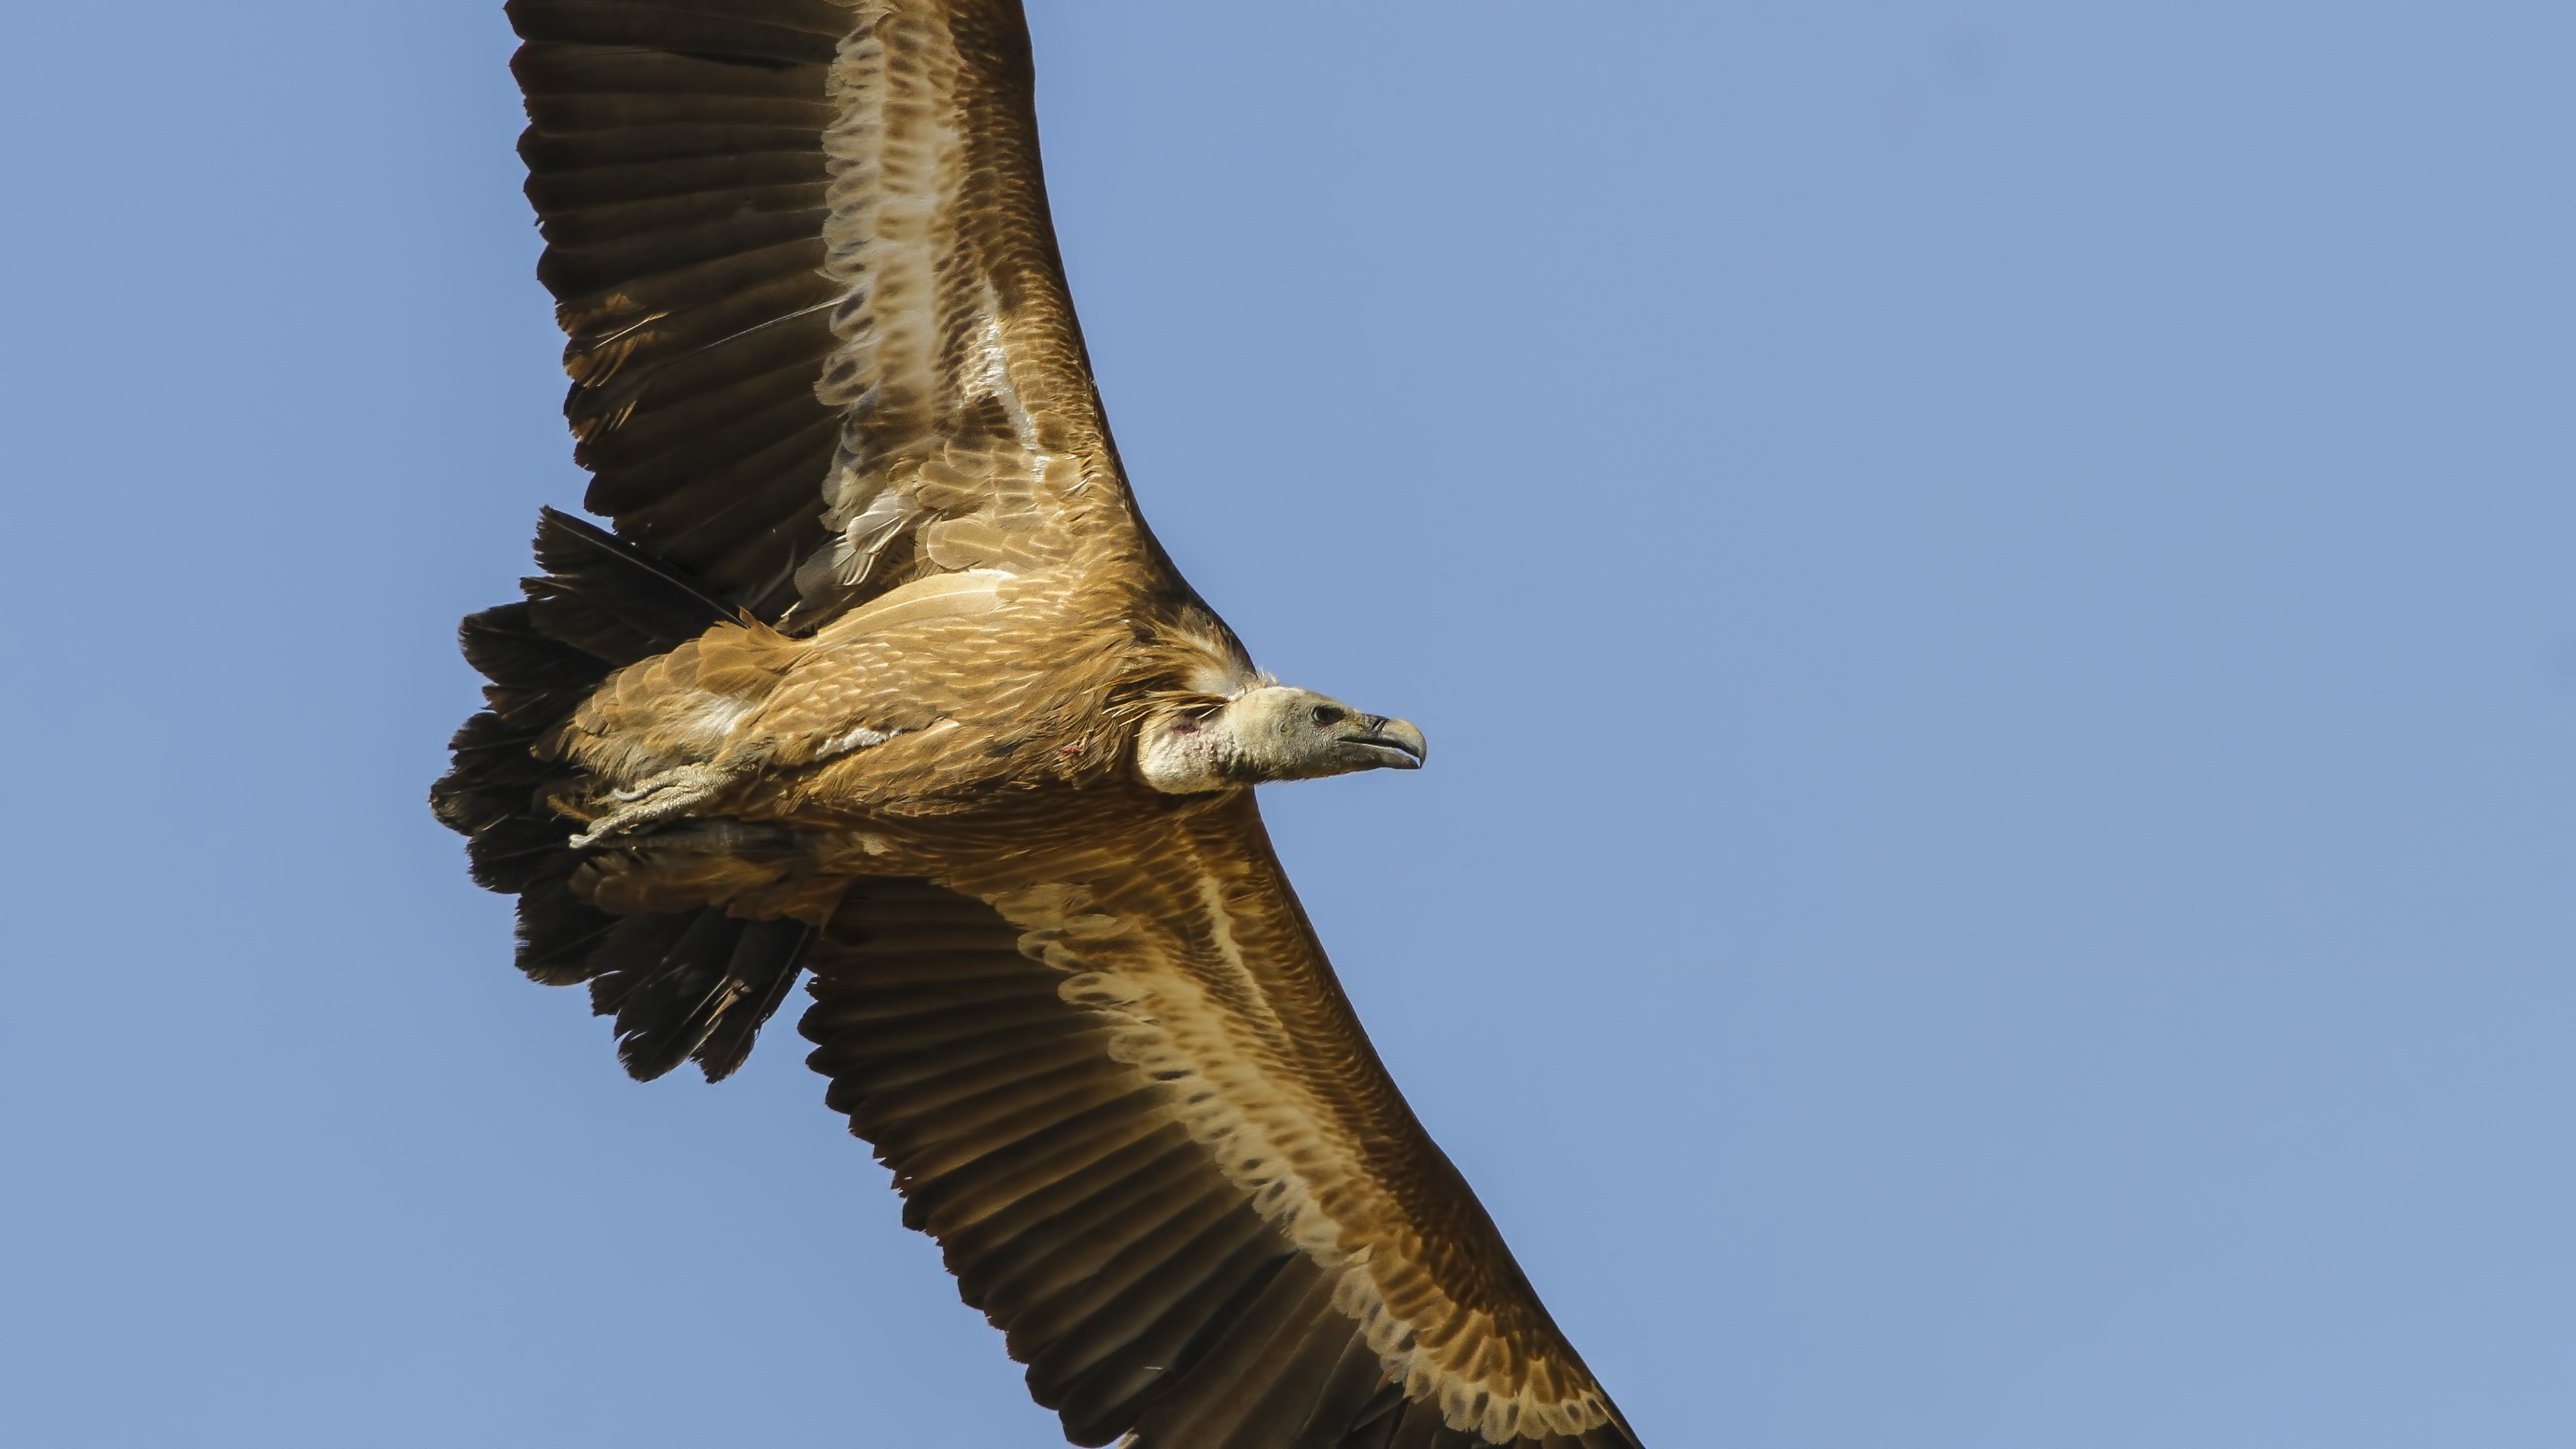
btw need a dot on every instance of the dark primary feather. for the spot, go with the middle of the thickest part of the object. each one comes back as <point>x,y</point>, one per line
<point>675,159</point>
<point>755,32</point>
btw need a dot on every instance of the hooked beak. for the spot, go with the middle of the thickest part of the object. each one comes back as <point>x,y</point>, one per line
<point>1383,744</point>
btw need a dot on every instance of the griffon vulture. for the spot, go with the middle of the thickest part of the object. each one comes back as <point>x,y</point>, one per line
<point>880,676</point>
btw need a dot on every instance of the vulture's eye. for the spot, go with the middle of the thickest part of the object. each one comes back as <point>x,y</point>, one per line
<point>1325,714</point>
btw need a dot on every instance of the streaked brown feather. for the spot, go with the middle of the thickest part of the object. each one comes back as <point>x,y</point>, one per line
<point>990,1122</point>
<point>915,1029</point>
<point>1071,1334</point>
<point>1032,1047</point>
<point>1100,1394</point>
<point>1016,1235</point>
<point>562,153</point>
<point>967,1100</point>
<point>959,998</point>
<point>736,404</point>
<point>692,285</point>
<point>761,485</point>
<point>665,84</point>
<point>640,221</point>
<point>787,33</point>
<point>574,268</point>
<point>1419,1427</point>
<point>968,1189</point>
<point>1339,1408</point>
<point>791,461</point>
<point>1293,1371</point>
<point>1233,1364</point>
<point>596,186</point>
<point>567,112</point>
<point>1056,1295</point>
<point>914,1084</point>
<point>751,458</point>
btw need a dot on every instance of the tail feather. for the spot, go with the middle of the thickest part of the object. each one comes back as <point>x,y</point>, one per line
<point>609,598</point>
<point>695,985</point>
<point>504,646</point>
<point>730,1036</point>
<point>559,933</point>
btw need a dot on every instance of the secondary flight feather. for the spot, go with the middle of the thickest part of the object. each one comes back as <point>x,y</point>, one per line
<point>878,675</point>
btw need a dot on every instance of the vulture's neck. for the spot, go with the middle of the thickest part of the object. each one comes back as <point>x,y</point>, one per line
<point>1188,756</point>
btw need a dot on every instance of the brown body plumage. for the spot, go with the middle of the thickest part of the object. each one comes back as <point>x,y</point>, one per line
<point>881,674</point>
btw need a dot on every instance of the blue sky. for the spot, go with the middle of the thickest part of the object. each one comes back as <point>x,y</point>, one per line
<point>1990,585</point>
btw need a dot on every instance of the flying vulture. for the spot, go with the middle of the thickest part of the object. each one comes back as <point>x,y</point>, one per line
<point>879,676</point>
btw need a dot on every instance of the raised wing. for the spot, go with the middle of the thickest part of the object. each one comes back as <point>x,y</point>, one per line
<point>1136,1110</point>
<point>819,335</point>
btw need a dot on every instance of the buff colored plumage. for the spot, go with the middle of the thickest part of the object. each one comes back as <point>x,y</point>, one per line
<point>880,675</point>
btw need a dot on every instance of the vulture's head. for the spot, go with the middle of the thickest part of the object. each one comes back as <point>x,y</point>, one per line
<point>1270,733</point>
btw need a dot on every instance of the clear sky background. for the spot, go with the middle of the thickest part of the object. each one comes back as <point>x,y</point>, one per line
<point>1993,586</point>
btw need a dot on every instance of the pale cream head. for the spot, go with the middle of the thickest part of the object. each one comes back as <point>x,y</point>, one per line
<point>1270,733</point>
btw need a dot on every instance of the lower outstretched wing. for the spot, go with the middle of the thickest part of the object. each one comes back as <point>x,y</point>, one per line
<point>1136,1110</point>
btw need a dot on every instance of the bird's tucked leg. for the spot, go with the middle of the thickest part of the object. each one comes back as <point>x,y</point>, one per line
<point>674,792</point>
